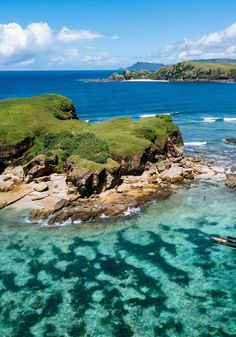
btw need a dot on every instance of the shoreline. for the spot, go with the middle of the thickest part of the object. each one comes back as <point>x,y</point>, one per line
<point>57,204</point>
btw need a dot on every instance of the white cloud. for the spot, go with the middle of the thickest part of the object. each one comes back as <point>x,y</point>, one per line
<point>18,42</point>
<point>220,44</point>
<point>68,35</point>
<point>38,46</point>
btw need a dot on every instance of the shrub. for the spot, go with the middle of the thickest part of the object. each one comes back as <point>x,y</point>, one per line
<point>65,144</point>
<point>146,133</point>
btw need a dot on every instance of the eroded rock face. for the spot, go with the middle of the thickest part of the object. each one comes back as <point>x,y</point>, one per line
<point>100,181</point>
<point>9,154</point>
<point>94,182</point>
<point>40,166</point>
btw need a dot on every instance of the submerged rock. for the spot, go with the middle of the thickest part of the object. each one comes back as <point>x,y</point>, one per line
<point>231,181</point>
<point>230,140</point>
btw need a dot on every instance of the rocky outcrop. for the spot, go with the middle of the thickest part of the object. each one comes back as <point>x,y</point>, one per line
<point>129,75</point>
<point>230,140</point>
<point>99,181</point>
<point>11,177</point>
<point>94,182</point>
<point>40,166</point>
<point>116,78</point>
<point>43,213</point>
<point>231,181</point>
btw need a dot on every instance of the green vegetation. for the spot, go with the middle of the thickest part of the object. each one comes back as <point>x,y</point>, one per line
<point>140,66</point>
<point>197,71</point>
<point>24,117</point>
<point>83,165</point>
<point>65,144</point>
<point>51,122</point>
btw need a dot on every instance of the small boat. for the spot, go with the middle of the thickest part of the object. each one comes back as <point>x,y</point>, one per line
<point>225,240</point>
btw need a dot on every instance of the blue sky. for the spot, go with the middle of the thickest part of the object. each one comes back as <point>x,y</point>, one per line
<point>107,34</point>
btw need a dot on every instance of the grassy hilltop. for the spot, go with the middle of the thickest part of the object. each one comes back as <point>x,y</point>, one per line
<point>197,71</point>
<point>51,123</point>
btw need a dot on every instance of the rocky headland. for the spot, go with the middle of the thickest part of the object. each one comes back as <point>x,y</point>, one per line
<point>67,170</point>
<point>187,71</point>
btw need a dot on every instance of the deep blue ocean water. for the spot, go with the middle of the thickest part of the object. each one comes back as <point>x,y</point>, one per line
<point>153,274</point>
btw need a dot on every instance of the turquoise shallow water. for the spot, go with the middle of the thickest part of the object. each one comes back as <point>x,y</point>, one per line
<point>155,274</point>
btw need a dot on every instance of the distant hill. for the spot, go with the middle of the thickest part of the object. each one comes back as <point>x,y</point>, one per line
<point>197,71</point>
<point>216,60</point>
<point>140,66</point>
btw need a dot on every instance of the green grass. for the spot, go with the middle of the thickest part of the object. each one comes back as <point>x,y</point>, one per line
<point>23,117</point>
<point>197,71</point>
<point>92,145</point>
<point>83,165</point>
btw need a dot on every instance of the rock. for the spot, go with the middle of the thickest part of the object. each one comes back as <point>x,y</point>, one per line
<point>231,181</point>
<point>61,216</point>
<point>43,213</point>
<point>41,187</point>
<point>163,165</point>
<point>7,177</point>
<point>116,77</point>
<point>40,214</point>
<point>40,196</point>
<point>194,159</point>
<point>18,193</point>
<point>230,140</point>
<point>11,177</point>
<point>188,163</point>
<point>218,169</point>
<point>93,182</point>
<point>40,166</point>
<point>177,159</point>
<point>9,154</point>
<point>174,174</point>
<point>6,186</point>
<point>42,179</point>
<point>175,145</point>
<point>86,214</point>
<point>3,203</point>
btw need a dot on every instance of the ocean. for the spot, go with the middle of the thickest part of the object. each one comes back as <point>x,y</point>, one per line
<point>152,273</point>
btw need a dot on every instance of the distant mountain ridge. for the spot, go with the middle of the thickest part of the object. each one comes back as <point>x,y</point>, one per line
<point>140,66</point>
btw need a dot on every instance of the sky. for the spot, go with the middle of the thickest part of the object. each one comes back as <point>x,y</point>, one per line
<point>109,34</point>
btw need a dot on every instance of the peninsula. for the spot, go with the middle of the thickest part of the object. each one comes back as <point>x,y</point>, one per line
<point>189,71</point>
<point>64,168</point>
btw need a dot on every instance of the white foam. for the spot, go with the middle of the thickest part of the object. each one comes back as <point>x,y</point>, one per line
<point>133,210</point>
<point>195,143</point>
<point>209,119</point>
<point>233,119</point>
<point>104,216</point>
<point>147,115</point>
